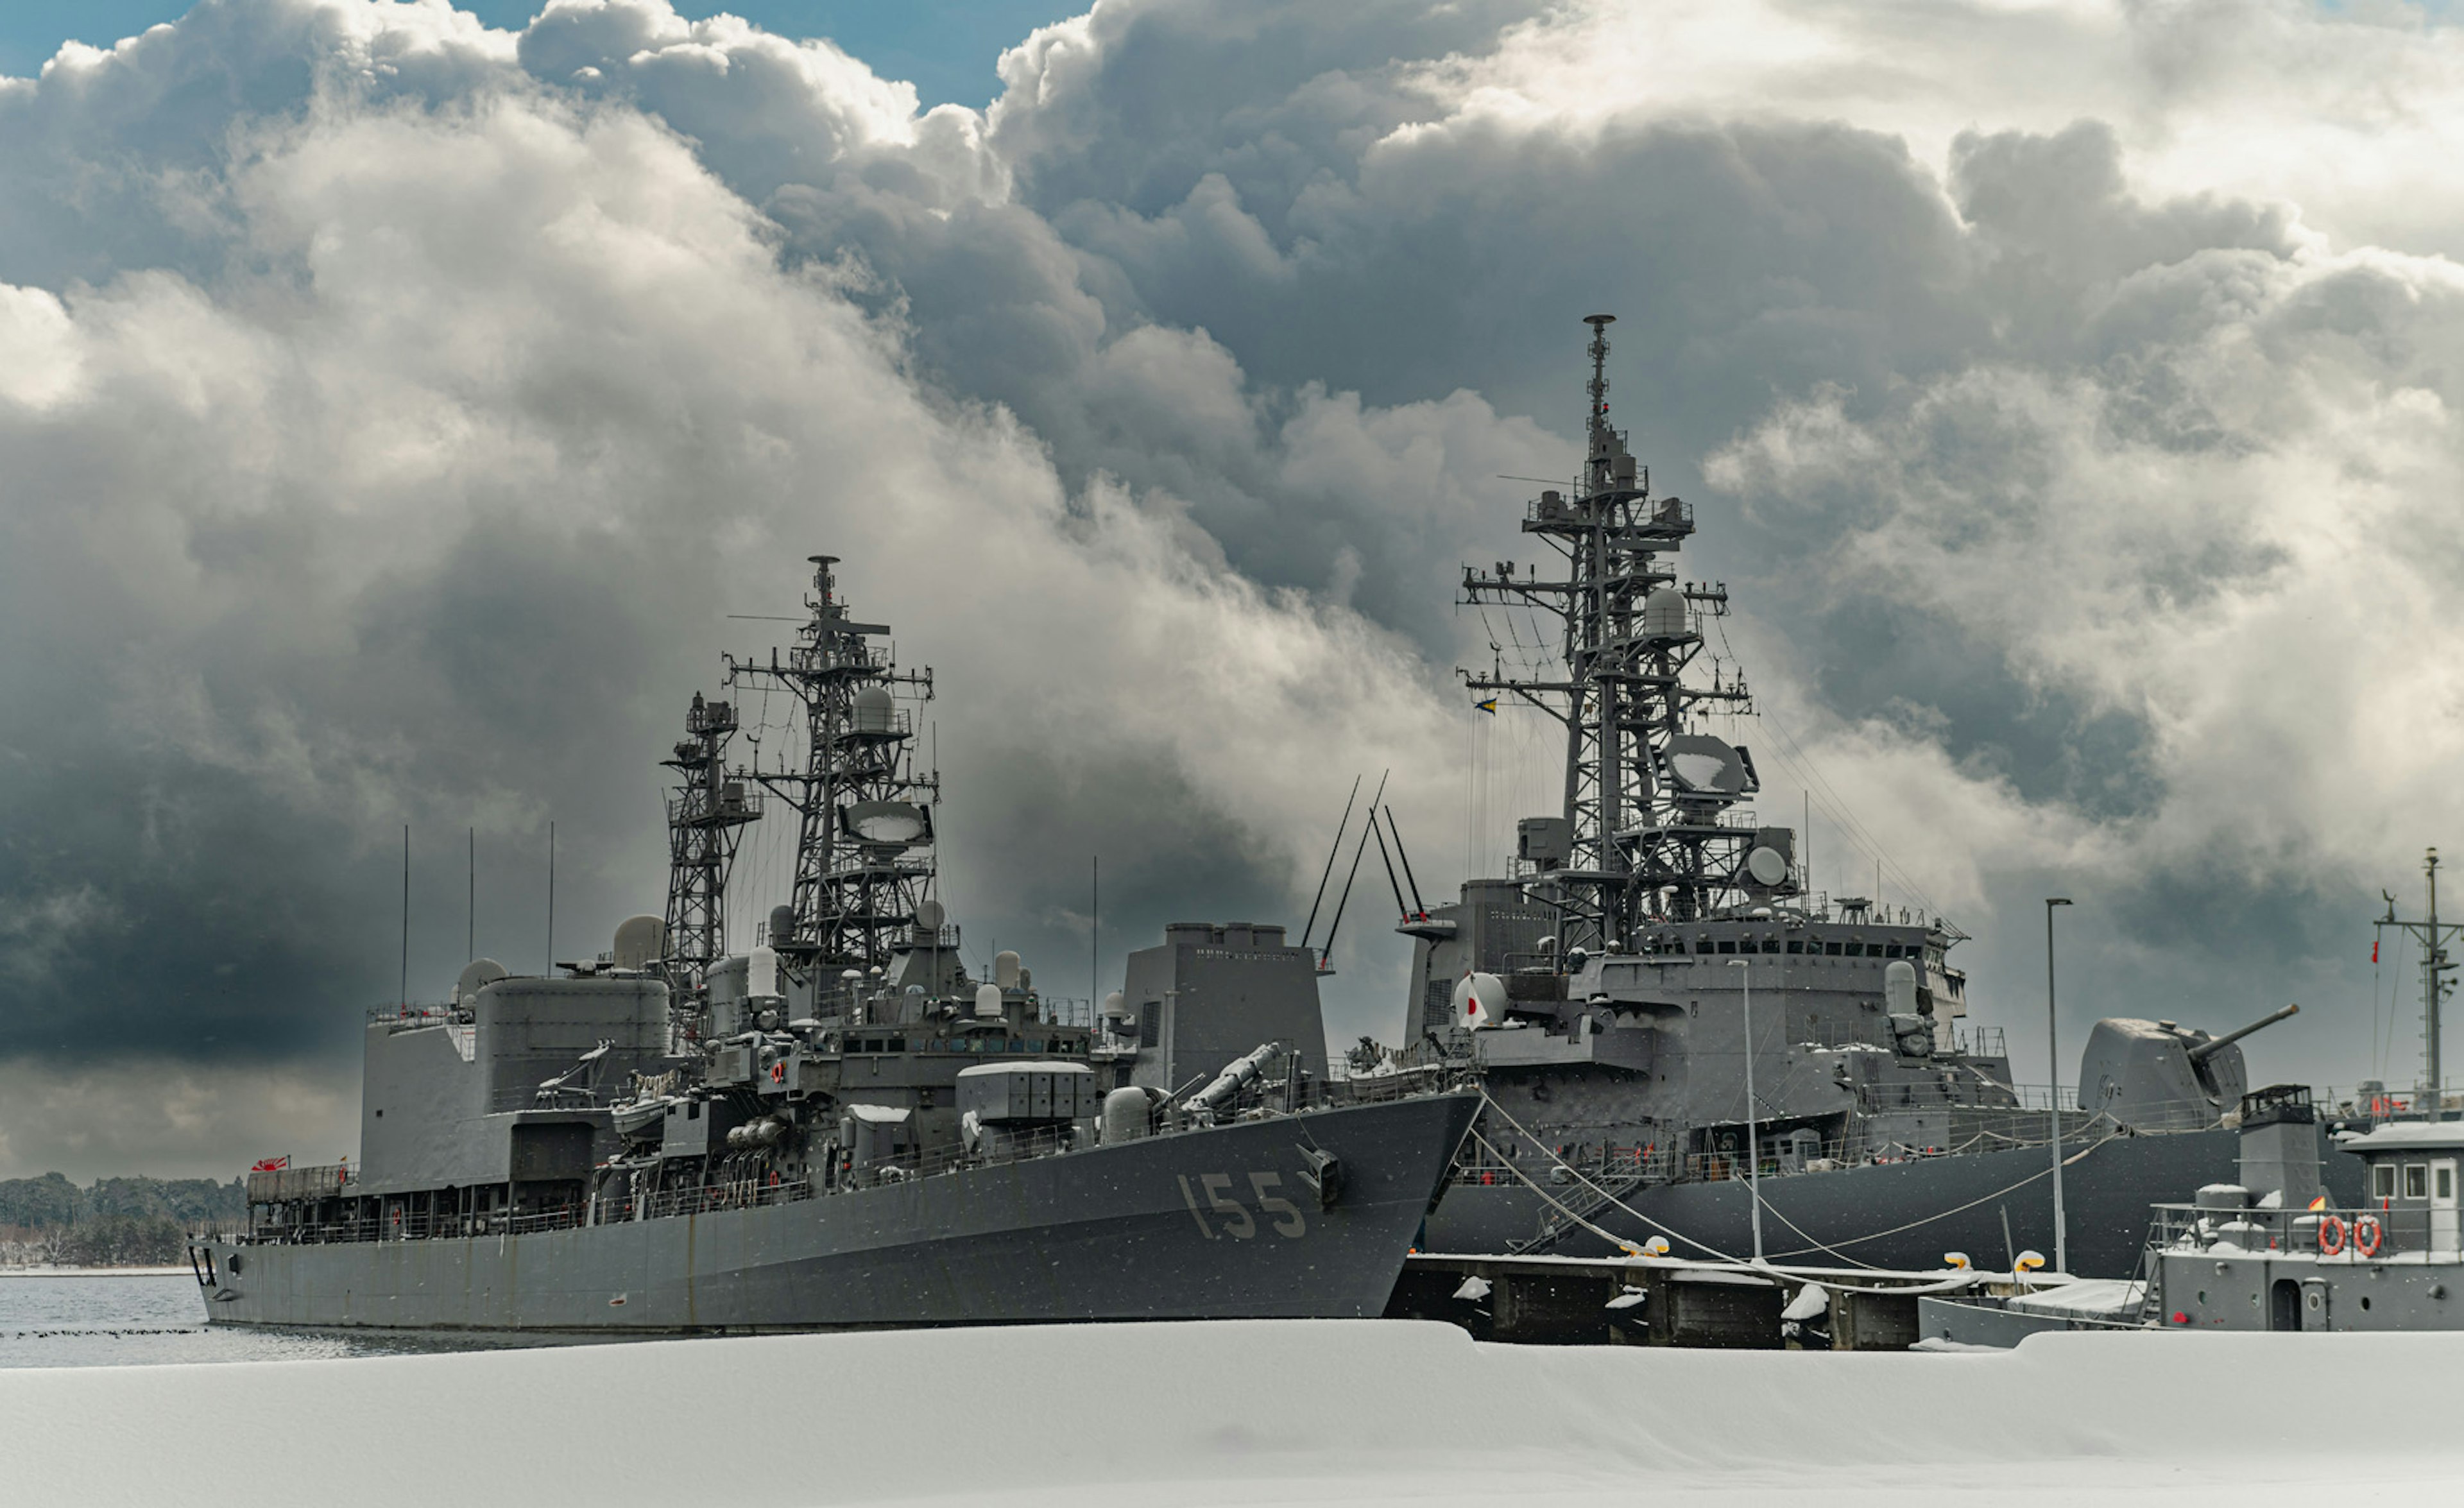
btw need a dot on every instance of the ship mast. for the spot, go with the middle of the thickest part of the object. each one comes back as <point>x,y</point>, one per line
<point>1648,799</point>
<point>706,816</point>
<point>864,842</point>
<point>2436,987</point>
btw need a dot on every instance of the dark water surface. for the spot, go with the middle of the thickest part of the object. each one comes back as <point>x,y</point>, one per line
<point>113,1319</point>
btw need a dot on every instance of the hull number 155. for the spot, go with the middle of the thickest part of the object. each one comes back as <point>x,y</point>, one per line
<point>1212,1195</point>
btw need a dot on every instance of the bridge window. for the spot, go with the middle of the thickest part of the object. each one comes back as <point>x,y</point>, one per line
<point>1727,947</point>
<point>2416,1180</point>
<point>2383,1181</point>
<point>1794,945</point>
<point>1831,949</point>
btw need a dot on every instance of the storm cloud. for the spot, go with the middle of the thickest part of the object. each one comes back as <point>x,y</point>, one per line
<point>392,411</point>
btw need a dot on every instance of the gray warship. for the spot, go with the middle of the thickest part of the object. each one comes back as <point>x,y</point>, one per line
<point>840,1126</point>
<point>1654,953</point>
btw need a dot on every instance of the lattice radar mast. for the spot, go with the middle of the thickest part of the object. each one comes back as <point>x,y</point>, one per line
<point>707,812</point>
<point>864,842</point>
<point>1651,828</point>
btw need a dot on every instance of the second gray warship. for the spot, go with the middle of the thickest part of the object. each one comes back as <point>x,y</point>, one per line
<point>840,1126</point>
<point>1654,953</point>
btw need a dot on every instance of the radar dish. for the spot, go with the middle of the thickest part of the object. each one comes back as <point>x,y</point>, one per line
<point>899,823</point>
<point>1701,765</point>
<point>930,916</point>
<point>1767,867</point>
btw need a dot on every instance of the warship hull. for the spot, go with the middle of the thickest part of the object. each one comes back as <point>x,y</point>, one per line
<point>1216,1223</point>
<point>1898,1216</point>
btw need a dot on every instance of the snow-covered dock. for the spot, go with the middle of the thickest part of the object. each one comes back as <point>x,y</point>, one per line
<point>1317,1412</point>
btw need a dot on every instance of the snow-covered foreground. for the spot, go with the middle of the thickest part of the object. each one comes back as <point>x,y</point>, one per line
<point>1319,1413</point>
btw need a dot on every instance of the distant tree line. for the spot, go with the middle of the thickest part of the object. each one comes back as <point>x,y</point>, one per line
<point>119,1221</point>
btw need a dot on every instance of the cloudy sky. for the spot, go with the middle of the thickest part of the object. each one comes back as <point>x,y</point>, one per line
<point>395,401</point>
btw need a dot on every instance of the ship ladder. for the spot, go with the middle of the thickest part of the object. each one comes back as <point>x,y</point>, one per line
<point>1558,1223</point>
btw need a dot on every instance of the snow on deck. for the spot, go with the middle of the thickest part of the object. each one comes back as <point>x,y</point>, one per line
<point>1321,1412</point>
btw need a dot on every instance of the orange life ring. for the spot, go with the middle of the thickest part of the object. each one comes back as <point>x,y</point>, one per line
<point>2368,1235</point>
<point>778,1073</point>
<point>2331,1235</point>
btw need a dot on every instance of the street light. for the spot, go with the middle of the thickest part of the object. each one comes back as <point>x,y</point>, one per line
<point>2054,1094</point>
<point>1753,1147</point>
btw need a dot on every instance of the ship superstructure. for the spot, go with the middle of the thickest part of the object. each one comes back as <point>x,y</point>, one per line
<point>839,1124</point>
<point>1652,937</point>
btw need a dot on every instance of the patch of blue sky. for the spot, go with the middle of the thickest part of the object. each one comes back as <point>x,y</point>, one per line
<point>946,48</point>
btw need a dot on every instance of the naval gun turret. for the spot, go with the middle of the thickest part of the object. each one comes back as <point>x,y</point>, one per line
<point>2160,1076</point>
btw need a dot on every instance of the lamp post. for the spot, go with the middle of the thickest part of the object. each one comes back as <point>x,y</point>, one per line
<point>1753,1143</point>
<point>2054,1092</point>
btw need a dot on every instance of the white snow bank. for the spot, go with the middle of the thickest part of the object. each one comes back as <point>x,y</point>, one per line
<point>1319,1413</point>
<point>2106,1298</point>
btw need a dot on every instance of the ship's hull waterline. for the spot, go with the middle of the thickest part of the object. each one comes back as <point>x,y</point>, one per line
<point>1209,1224</point>
<point>1898,1216</point>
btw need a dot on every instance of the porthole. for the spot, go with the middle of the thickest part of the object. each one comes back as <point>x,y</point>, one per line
<point>2366,1301</point>
<point>232,1262</point>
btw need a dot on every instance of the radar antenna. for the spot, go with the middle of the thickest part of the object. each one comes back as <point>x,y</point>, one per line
<point>706,816</point>
<point>864,838</point>
<point>1649,797</point>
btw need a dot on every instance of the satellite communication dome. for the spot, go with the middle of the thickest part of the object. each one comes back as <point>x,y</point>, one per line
<point>873,711</point>
<point>929,915</point>
<point>1664,613</point>
<point>640,940</point>
<point>1767,866</point>
<point>477,975</point>
<point>1006,970</point>
<point>988,1002</point>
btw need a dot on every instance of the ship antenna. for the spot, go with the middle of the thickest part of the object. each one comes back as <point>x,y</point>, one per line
<point>1326,955</point>
<point>1332,851</point>
<point>1599,383</point>
<point>1388,860</point>
<point>1417,908</point>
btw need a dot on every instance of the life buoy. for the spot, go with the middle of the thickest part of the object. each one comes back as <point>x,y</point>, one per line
<point>778,1073</point>
<point>2331,1235</point>
<point>2368,1235</point>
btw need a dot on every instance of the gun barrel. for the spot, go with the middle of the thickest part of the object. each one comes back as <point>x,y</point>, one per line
<point>2210,1047</point>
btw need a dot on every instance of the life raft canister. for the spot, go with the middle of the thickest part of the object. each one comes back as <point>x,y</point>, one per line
<point>2331,1235</point>
<point>2368,1236</point>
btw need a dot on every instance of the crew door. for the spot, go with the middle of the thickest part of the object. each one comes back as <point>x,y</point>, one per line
<point>2442,1205</point>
